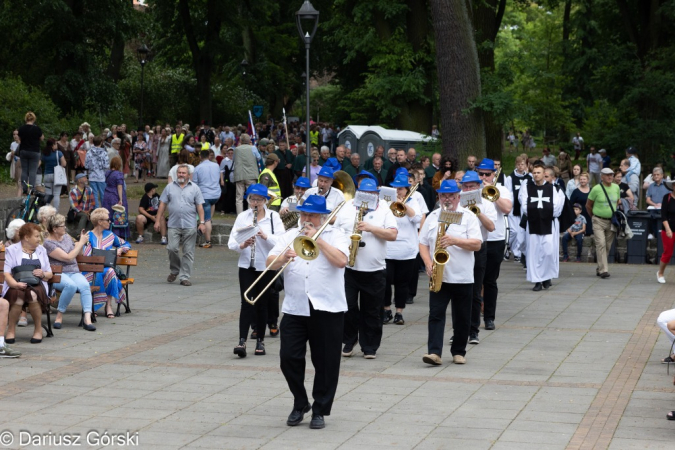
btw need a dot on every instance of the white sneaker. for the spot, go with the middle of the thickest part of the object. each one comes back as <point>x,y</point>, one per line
<point>139,240</point>
<point>660,279</point>
<point>23,322</point>
<point>164,241</point>
<point>650,237</point>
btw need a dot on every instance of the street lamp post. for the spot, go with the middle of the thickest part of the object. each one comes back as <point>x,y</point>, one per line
<point>310,15</point>
<point>304,83</point>
<point>244,65</point>
<point>142,54</point>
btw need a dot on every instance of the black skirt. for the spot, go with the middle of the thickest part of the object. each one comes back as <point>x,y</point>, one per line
<point>13,295</point>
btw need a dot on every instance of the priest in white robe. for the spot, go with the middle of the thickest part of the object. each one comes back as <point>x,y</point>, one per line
<point>542,203</point>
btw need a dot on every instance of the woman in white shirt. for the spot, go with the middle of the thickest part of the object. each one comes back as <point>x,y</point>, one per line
<point>252,256</point>
<point>573,183</point>
<point>402,252</point>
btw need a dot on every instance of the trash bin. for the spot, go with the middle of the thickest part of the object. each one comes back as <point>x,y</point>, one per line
<point>638,221</point>
<point>659,245</point>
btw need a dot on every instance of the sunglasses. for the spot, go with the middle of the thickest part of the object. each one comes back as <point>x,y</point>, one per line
<point>484,174</point>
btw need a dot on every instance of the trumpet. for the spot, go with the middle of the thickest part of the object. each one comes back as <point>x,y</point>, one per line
<point>305,247</point>
<point>440,256</point>
<point>491,193</point>
<point>398,208</point>
<point>356,235</point>
<point>474,208</point>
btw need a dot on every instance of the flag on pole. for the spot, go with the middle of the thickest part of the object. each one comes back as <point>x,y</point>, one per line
<point>251,129</point>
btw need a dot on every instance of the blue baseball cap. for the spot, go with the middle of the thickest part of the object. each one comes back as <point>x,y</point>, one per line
<point>365,173</point>
<point>257,189</point>
<point>368,185</point>
<point>402,170</point>
<point>326,172</point>
<point>315,204</point>
<point>401,180</point>
<point>333,163</point>
<point>486,164</point>
<point>471,176</point>
<point>303,182</point>
<point>448,187</point>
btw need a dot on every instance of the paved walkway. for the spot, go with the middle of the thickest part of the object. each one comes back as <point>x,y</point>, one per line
<point>574,367</point>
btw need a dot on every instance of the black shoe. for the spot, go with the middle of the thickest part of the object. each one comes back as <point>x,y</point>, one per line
<point>296,416</point>
<point>259,348</point>
<point>348,350</point>
<point>516,259</point>
<point>489,324</point>
<point>398,319</point>
<point>317,422</point>
<point>240,350</point>
<point>35,341</point>
<point>274,330</point>
<point>473,339</point>
<point>387,316</point>
<point>57,325</point>
<point>410,300</point>
<point>10,341</point>
<point>537,287</point>
<point>604,275</point>
<point>254,334</point>
<point>546,284</point>
<point>89,327</point>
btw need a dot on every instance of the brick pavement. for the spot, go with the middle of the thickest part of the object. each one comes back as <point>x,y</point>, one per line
<point>573,367</point>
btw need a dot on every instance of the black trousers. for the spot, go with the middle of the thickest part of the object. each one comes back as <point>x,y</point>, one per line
<point>412,287</point>
<point>492,267</point>
<point>323,331</point>
<point>480,259</point>
<point>253,313</point>
<point>399,273</point>
<point>460,296</point>
<point>364,324</point>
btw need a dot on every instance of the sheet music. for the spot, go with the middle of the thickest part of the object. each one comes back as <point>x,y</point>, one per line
<point>388,194</point>
<point>246,233</point>
<point>470,198</point>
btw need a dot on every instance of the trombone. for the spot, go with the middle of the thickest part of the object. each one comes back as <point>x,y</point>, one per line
<point>398,208</point>
<point>305,247</point>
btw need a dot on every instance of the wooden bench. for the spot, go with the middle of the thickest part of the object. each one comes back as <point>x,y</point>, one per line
<point>129,259</point>
<point>57,277</point>
<point>84,264</point>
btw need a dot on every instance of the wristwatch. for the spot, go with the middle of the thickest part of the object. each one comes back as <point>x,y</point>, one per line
<point>202,223</point>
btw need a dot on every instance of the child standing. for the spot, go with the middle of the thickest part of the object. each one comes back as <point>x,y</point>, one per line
<point>576,231</point>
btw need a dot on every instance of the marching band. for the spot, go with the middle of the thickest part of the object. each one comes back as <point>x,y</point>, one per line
<point>341,245</point>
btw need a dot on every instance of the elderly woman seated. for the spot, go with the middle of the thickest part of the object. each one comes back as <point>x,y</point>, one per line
<point>27,271</point>
<point>110,287</point>
<point>5,350</point>
<point>12,233</point>
<point>62,252</point>
<point>43,215</point>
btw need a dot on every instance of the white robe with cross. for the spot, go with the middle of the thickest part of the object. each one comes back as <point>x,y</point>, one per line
<point>543,259</point>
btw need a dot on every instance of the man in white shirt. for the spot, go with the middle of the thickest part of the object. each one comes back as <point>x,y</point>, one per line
<point>313,312</point>
<point>496,242</point>
<point>324,187</point>
<point>487,218</point>
<point>542,203</point>
<point>461,239</point>
<point>594,165</point>
<point>367,277</point>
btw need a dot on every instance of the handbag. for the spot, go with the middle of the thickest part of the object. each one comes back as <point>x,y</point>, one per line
<point>60,178</point>
<point>109,255</point>
<point>619,219</point>
<point>24,274</point>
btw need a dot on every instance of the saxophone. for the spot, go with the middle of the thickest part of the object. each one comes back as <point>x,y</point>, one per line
<point>441,256</point>
<point>356,234</point>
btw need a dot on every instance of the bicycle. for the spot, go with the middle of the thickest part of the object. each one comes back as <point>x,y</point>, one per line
<point>28,212</point>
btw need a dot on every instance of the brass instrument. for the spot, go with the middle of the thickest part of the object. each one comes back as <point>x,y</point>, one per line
<point>305,247</point>
<point>398,208</point>
<point>441,256</point>
<point>290,219</point>
<point>271,199</point>
<point>473,208</point>
<point>356,234</point>
<point>344,182</point>
<point>491,193</point>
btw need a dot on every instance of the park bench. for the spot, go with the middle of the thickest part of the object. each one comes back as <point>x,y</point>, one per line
<point>129,259</point>
<point>85,264</point>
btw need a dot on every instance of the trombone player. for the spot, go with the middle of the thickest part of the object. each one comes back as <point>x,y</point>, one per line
<point>252,255</point>
<point>462,238</point>
<point>313,308</point>
<point>370,227</point>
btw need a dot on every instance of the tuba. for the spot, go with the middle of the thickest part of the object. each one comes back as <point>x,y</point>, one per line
<point>356,234</point>
<point>491,193</point>
<point>344,182</point>
<point>305,247</point>
<point>398,208</point>
<point>440,257</point>
<point>290,219</point>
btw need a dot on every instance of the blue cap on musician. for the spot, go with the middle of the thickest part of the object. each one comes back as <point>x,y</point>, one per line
<point>333,163</point>
<point>364,173</point>
<point>303,182</point>
<point>471,177</point>
<point>401,180</point>
<point>448,187</point>
<point>257,189</point>
<point>315,204</point>
<point>486,164</point>
<point>368,185</point>
<point>402,170</point>
<point>326,172</point>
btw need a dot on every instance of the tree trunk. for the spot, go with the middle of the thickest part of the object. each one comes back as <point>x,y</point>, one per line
<point>458,80</point>
<point>116,58</point>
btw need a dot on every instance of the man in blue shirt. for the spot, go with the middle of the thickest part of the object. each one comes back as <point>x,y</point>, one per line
<point>606,160</point>
<point>207,177</point>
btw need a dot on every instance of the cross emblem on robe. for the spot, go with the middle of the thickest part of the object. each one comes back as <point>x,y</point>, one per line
<point>539,199</point>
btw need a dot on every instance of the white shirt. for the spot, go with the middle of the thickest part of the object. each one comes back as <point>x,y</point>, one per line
<point>489,210</point>
<point>334,198</point>
<point>459,268</point>
<point>370,258</point>
<point>406,245</point>
<point>262,246</point>
<point>499,234</point>
<point>317,280</point>
<point>424,209</point>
